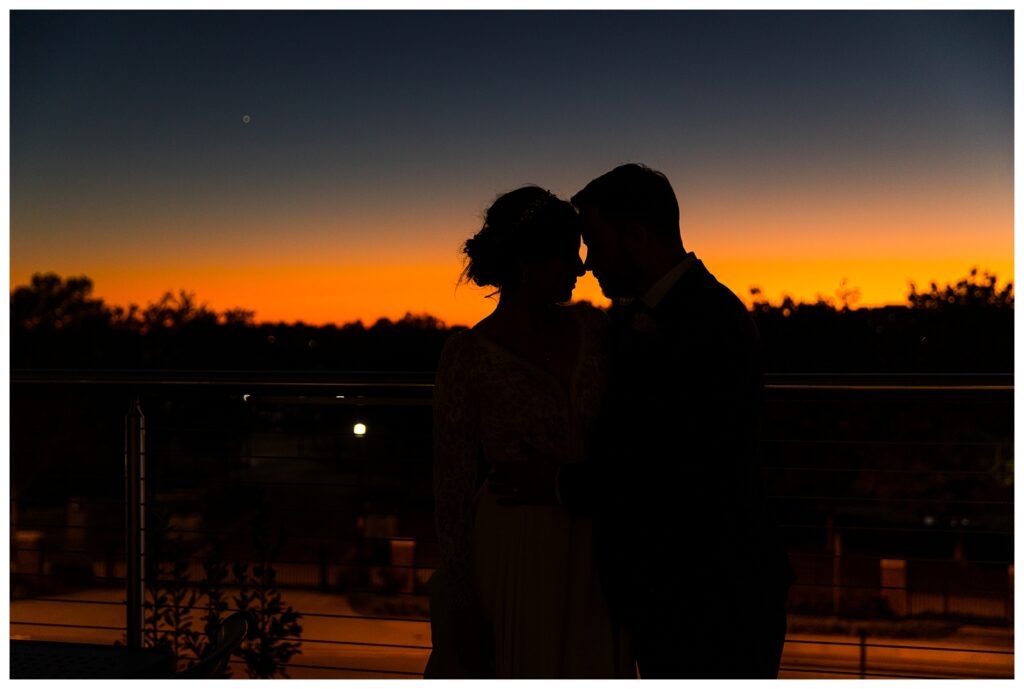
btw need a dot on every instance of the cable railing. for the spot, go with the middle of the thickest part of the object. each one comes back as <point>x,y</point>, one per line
<point>893,493</point>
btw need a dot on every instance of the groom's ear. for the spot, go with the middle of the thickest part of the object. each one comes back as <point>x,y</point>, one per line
<point>635,235</point>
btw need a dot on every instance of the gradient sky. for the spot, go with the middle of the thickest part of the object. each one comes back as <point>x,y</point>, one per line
<point>805,147</point>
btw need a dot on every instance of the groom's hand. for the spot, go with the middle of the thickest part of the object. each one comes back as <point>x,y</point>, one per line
<point>531,481</point>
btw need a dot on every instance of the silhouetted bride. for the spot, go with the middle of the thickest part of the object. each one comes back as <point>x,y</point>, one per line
<point>517,593</point>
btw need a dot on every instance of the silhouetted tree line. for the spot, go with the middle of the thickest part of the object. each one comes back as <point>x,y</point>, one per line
<point>56,323</point>
<point>966,327</point>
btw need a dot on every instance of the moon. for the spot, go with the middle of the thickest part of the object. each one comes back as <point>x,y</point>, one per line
<point>246,119</point>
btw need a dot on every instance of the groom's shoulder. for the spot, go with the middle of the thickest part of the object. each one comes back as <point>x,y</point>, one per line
<point>712,307</point>
<point>701,293</point>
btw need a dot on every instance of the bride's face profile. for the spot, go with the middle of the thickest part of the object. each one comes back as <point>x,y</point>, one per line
<point>552,277</point>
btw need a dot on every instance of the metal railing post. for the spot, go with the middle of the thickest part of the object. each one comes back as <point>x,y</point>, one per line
<point>1009,595</point>
<point>863,654</point>
<point>837,572</point>
<point>135,512</point>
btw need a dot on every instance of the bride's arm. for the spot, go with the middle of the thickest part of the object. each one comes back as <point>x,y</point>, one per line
<point>456,447</point>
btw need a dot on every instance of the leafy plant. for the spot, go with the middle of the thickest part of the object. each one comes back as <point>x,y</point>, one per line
<point>172,596</point>
<point>268,648</point>
<point>211,588</point>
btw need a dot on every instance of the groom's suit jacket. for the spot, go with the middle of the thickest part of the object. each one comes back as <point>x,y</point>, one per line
<point>681,526</point>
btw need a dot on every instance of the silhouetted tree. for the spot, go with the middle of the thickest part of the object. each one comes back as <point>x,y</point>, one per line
<point>175,312</point>
<point>52,302</point>
<point>973,292</point>
<point>963,327</point>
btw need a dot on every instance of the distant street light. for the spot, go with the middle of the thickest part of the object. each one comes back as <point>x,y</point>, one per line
<point>359,429</point>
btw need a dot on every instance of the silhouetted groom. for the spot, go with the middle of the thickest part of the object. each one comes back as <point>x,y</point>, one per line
<point>688,555</point>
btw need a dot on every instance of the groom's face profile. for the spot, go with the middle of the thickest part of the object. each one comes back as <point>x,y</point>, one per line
<point>607,257</point>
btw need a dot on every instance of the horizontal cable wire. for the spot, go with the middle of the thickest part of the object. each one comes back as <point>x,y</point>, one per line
<point>354,643</point>
<point>67,625</point>
<point>36,575</point>
<point>878,587</point>
<point>317,565</point>
<point>340,669</point>
<point>284,432</point>
<point>353,670</point>
<point>365,563</point>
<point>97,527</point>
<point>884,441</point>
<point>907,559</point>
<point>323,615</point>
<point>859,470</point>
<point>353,539</point>
<point>82,500</point>
<point>296,484</point>
<point>883,675</point>
<point>62,551</point>
<point>911,529</point>
<point>70,600</point>
<point>293,587</point>
<point>840,498</point>
<point>856,644</point>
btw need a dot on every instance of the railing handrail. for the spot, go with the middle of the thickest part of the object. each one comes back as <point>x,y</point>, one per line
<point>424,380</point>
<point>168,377</point>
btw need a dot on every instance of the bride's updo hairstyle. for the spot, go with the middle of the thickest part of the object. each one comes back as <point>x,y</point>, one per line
<point>524,224</point>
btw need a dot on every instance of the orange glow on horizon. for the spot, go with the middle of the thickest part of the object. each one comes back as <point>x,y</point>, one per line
<point>321,295</point>
<point>318,267</point>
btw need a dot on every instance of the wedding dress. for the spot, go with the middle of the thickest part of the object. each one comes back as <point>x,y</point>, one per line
<point>530,570</point>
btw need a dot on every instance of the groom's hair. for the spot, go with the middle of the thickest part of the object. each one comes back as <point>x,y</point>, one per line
<point>634,193</point>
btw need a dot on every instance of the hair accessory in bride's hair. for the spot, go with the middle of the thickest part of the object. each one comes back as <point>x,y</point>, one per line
<point>531,210</point>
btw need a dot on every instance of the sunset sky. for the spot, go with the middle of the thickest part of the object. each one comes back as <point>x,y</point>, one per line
<point>805,147</point>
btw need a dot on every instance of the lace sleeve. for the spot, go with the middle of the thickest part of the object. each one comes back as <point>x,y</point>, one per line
<point>456,448</point>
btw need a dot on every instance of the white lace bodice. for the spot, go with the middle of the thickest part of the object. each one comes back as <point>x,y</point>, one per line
<point>489,400</point>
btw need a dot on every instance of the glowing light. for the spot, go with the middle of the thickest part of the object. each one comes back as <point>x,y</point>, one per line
<point>359,429</point>
<point>245,398</point>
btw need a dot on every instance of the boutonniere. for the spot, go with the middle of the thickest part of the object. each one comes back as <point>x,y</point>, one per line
<point>643,323</point>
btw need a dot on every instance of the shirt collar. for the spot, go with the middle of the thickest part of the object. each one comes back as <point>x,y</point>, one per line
<point>659,289</point>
